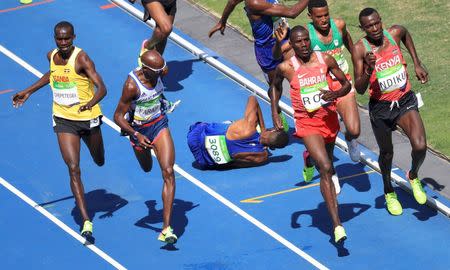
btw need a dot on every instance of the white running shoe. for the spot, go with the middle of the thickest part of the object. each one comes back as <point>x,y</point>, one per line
<point>353,150</point>
<point>337,186</point>
<point>169,106</point>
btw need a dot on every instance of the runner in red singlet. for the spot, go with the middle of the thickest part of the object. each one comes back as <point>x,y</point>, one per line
<point>314,106</point>
<point>379,65</point>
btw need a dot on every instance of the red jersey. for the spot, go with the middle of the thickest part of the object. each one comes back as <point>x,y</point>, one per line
<point>389,80</point>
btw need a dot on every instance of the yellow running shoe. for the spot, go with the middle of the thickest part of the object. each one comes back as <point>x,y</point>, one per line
<point>167,236</point>
<point>26,2</point>
<point>141,52</point>
<point>393,205</point>
<point>308,174</point>
<point>284,122</point>
<point>87,229</point>
<point>339,234</point>
<point>418,192</point>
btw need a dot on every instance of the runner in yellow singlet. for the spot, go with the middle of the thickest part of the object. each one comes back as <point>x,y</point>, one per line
<point>76,112</point>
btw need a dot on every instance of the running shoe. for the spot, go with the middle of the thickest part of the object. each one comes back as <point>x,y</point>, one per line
<point>393,205</point>
<point>284,122</point>
<point>26,2</point>
<point>419,193</point>
<point>141,52</point>
<point>167,236</point>
<point>339,234</point>
<point>87,229</point>
<point>308,172</point>
<point>353,150</point>
<point>337,186</point>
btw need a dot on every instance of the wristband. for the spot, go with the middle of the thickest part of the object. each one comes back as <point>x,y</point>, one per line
<point>135,134</point>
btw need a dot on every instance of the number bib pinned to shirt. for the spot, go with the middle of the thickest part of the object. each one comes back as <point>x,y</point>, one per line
<point>391,75</point>
<point>217,149</point>
<point>311,96</point>
<point>65,93</point>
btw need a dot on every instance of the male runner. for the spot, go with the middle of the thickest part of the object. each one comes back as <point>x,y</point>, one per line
<point>380,66</point>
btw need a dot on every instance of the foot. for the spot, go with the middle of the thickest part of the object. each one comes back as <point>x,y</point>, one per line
<point>308,172</point>
<point>284,122</point>
<point>339,234</point>
<point>419,193</point>
<point>87,230</point>
<point>393,205</point>
<point>337,186</point>
<point>353,150</point>
<point>167,236</point>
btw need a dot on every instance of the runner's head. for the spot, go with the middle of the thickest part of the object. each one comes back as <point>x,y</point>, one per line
<point>319,14</point>
<point>64,36</point>
<point>153,65</point>
<point>300,42</point>
<point>274,138</point>
<point>370,22</point>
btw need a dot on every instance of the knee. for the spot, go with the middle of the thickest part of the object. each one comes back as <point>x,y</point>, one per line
<point>74,169</point>
<point>168,175</point>
<point>100,161</point>
<point>419,144</point>
<point>354,130</point>
<point>165,28</point>
<point>387,154</point>
<point>325,168</point>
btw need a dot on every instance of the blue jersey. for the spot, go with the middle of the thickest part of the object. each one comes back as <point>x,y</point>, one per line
<point>209,145</point>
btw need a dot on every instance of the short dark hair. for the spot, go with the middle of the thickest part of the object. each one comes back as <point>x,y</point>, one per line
<point>64,24</point>
<point>297,28</point>
<point>278,139</point>
<point>366,12</point>
<point>316,4</point>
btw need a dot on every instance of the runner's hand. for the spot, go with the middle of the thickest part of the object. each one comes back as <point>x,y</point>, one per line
<point>85,107</point>
<point>281,32</point>
<point>277,124</point>
<point>421,74</point>
<point>328,95</point>
<point>143,141</point>
<point>369,60</point>
<point>219,26</point>
<point>20,98</point>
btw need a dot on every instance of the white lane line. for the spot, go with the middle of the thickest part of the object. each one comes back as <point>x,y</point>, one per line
<point>202,186</point>
<point>59,223</point>
<point>32,203</point>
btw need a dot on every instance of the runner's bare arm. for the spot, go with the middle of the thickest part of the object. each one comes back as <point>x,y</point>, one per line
<point>231,4</point>
<point>265,8</point>
<point>275,91</point>
<point>84,65</point>
<point>363,65</point>
<point>333,67</point>
<point>19,98</point>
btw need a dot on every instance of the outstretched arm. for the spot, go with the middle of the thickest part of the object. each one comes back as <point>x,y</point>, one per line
<point>84,65</point>
<point>261,7</point>
<point>275,92</point>
<point>403,34</point>
<point>231,4</point>
<point>22,96</point>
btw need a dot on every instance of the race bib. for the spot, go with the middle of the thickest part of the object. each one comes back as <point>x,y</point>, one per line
<point>217,149</point>
<point>65,93</point>
<point>392,78</point>
<point>311,96</point>
<point>146,111</point>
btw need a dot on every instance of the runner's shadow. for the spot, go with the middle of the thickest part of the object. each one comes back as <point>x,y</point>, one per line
<point>230,166</point>
<point>99,201</point>
<point>354,175</point>
<point>179,220</point>
<point>321,220</point>
<point>178,71</point>
<point>422,212</point>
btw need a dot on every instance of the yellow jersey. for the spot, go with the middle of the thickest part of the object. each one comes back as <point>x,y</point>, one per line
<point>71,90</point>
